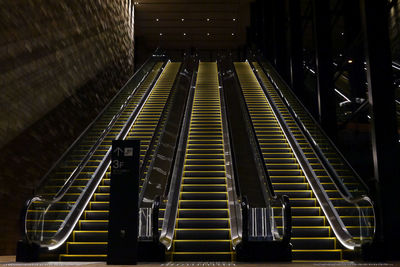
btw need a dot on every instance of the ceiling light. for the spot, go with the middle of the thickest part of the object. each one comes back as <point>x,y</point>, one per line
<point>183,19</point>
<point>160,33</point>
<point>233,34</point>
<point>350,61</point>
<point>234,19</point>
<point>157,19</point>
<point>208,34</point>
<point>208,19</point>
<point>136,3</point>
<point>184,33</point>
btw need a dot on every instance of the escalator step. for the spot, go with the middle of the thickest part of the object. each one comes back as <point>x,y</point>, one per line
<point>314,243</point>
<point>203,196</point>
<point>96,214</point>
<point>204,174</point>
<point>96,225</point>
<point>204,188</point>
<point>203,213</point>
<point>321,231</point>
<point>90,236</point>
<point>99,205</point>
<point>202,223</point>
<point>295,193</point>
<point>197,180</point>
<point>208,156</point>
<point>209,167</point>
<point>291,186</point>
<point>193,204</point>
<point>196,234</point>
<point>281,172</point>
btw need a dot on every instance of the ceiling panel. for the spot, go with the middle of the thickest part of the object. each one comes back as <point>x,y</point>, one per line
<point>206,24</point>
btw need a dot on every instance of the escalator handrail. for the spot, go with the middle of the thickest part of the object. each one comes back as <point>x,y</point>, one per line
<point>354,114</point>
<point>339,228</point>
<point>284,200</point>
<point>66,227</point>
<point>330,169</point>
<point>168,226</point>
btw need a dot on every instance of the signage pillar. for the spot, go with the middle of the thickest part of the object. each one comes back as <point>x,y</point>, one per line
<point>124,195</point>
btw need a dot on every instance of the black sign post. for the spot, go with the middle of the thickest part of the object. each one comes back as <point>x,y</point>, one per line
<point>123,213</point>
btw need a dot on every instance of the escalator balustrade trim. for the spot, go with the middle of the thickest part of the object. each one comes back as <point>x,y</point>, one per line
<point>202,230</point>
<point>89,239</point>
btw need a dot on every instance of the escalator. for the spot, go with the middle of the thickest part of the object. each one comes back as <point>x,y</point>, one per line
<point>59,178</point>
<point>187,158</point>
<point>202,230</point>
<point>313,238</point>
<point>149,101</point>
<point>89,240</point>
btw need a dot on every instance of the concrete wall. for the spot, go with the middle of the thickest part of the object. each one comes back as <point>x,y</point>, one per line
<point>60,63</point>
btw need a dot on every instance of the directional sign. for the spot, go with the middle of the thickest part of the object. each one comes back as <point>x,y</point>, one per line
<point>118,151</point>
<point>124,197</point>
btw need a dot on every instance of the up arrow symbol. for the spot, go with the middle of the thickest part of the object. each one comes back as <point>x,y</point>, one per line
<point>118,150</point>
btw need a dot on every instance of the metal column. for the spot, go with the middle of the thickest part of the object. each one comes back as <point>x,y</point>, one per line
<point>280,44</point>
<point>385,146</point>
<point>354,44</point>
<point>296,47</point>
<point>324,66</point>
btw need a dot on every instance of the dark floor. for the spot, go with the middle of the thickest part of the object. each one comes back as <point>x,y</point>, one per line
<point>10,261</point>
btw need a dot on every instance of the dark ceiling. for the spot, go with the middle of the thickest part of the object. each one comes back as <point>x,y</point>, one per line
<point>178,24</point>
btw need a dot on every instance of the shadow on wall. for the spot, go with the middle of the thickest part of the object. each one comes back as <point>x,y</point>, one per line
<point>60,63</point>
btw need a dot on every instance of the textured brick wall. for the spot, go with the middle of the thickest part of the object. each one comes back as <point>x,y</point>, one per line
<point>60,62</point>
